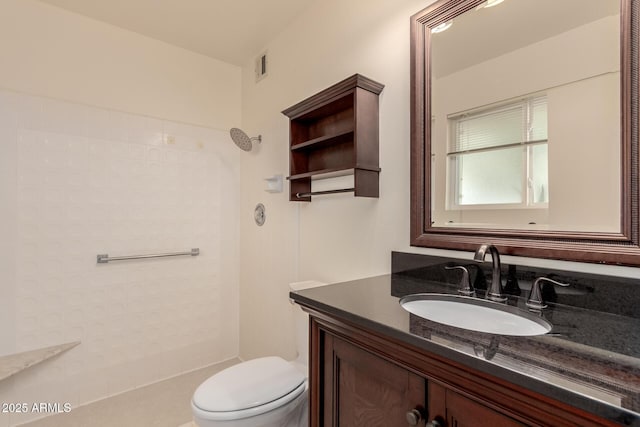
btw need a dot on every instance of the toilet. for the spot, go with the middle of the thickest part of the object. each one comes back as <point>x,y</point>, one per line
<point>263,392</point>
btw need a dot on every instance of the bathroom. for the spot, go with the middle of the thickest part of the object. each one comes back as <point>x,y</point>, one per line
<point>161,174</point>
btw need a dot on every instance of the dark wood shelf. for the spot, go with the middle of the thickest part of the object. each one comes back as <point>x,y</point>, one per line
<point>335,133</point>
<point>330,173</point>
<point>324,140</point>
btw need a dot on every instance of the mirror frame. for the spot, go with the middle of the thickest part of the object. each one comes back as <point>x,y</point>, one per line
<point>621,248</point>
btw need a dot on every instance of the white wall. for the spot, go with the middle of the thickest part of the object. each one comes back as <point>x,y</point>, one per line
<point>96,156</point>
<point>50,52</point>
<point>333,238</point>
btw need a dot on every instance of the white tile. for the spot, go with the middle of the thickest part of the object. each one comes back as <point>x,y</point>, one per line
<point>8,113</point>
<point>171,364</point>
<point>119,126</point>
<point>144,130</point>
<point>92,385</point>
<point>29,111</point>
<point>60,117</point>
<point>99,124</point>
<point>94,181</point>
<point>121,377</point>
<point>6,395</point>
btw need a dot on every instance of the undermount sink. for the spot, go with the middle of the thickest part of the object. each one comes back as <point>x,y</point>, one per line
<point>475,314</point>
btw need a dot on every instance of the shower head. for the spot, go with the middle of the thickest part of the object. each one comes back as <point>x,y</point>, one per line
<point>242,140</point>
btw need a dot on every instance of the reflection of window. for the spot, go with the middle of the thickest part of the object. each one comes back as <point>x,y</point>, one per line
<point>498,156</point>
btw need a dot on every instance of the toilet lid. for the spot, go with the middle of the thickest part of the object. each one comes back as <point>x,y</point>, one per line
<point>247,385</point>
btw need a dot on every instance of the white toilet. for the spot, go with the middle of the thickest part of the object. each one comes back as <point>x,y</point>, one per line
<point>264,392</point>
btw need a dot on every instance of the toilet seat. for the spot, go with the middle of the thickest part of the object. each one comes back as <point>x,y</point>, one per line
<point>248,389</point>
<point>251,412</point>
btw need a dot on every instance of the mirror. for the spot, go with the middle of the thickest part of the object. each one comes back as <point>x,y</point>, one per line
<point>510,116</point>
<point>522,128</point>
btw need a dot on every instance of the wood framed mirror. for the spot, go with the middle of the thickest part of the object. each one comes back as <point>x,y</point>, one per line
<point>524,128</point>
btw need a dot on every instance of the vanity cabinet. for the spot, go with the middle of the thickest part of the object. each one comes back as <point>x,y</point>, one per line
<point>333,133</point>
<point>460,411</point>
<point>362,389</point>
<point>360,377</point>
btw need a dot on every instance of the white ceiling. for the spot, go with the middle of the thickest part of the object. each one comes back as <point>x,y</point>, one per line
<point>233,31</point>
<point>479,35</point>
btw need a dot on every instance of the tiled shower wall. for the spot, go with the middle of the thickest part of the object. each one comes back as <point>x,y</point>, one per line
<point>79,181</point>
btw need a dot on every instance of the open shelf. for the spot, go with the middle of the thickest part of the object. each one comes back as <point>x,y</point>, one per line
<point>333,133</point>
<point>329,173</point>
<point>324,140</point>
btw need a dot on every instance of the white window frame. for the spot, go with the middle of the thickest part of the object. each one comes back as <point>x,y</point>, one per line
<point>527,143</point>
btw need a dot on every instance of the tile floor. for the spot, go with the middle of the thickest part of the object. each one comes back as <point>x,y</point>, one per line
<point>163,404</point>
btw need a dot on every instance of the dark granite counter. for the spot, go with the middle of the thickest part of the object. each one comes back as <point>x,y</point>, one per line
<point>590,359</point>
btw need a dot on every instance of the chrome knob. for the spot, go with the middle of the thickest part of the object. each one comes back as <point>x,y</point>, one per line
<point>414,417</point>
<point>434,423</point>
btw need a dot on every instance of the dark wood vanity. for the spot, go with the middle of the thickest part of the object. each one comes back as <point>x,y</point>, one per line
<point>373,364</point>
<point>361,378</point>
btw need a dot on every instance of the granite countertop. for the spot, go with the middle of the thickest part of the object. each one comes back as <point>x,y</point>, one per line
<point>590,360</point>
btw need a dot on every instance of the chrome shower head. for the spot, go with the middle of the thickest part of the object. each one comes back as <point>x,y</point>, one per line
<point>242,140</point>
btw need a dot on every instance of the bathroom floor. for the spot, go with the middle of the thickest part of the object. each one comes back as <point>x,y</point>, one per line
<point>163,404</point>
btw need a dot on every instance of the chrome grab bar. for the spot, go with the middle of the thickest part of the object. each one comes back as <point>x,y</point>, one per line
<point>105,258</point>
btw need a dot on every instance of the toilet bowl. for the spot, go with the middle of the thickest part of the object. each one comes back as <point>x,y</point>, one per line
<point>263,392</point>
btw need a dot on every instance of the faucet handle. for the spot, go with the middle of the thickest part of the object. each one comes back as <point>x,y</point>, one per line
<point>535,301</point>
<point>466,288</point>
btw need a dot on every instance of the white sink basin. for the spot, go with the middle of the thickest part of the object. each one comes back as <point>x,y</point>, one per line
<point>475,314</point>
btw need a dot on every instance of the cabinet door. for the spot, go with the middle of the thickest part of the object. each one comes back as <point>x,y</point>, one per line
<point>460,411</point>
<point>361,389</point>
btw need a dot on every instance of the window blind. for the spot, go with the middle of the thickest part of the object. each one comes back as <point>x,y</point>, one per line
<point>515,123</point>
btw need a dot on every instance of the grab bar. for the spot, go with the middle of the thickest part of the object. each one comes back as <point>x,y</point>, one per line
<point>105,258</point>
<point>320,193</point>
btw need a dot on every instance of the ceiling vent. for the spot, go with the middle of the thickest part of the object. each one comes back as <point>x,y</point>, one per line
<point>261,66</point>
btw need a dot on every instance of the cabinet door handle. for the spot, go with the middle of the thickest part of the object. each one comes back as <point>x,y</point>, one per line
<point>414,417</point>
<point>434,423</point>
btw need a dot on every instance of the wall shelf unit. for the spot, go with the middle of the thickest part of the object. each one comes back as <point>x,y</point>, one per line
<point>333,133</point>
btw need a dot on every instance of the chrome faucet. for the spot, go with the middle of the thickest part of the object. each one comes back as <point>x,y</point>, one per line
<point>495,292</point>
